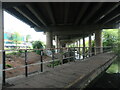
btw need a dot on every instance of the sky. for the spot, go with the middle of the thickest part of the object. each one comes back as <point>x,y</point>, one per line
<point>12,24</point>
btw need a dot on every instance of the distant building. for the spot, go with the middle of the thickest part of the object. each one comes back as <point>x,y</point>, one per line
<point>9,42</point>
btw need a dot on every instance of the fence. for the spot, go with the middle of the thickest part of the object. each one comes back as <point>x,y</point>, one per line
<point>48,58</point>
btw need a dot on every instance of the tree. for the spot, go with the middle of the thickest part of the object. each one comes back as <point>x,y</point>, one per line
<point>37,45</point>
<point>16,38</point>
<point>28,37</point>
<point>110,37</point>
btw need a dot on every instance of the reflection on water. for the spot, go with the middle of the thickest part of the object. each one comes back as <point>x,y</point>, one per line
<point>110,79</point>
<point>115,67</point>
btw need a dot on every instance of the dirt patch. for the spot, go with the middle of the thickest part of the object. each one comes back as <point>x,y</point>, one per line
<point>18,61</point>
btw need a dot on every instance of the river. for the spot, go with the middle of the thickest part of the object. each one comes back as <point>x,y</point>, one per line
<point>110,79</point>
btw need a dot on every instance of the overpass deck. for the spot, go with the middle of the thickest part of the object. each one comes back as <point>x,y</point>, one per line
<point>71,75</point>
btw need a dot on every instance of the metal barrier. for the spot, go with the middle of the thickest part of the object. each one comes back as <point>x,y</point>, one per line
<point>64,55</point>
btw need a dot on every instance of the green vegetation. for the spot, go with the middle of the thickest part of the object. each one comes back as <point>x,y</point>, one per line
<point>16,38</point>
<point>8,65</point>
<point>111,38</point>
<point>27,38</point>
<point>56,63</point>
<point>17,53</point>
<point>37,45</point>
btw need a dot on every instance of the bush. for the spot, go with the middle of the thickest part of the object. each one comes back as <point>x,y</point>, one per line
<point>56,63</point>
<point>37,45</point>
<point>8,65</point>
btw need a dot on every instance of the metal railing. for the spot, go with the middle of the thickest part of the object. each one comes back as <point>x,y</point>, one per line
<point>63,55</point>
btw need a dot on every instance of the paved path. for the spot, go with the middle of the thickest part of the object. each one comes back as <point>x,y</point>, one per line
<point>67,75</point>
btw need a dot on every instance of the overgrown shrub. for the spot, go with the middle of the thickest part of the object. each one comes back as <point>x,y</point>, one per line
<point>8,65</point>
<point>37,45</point>
<point>56,63</point>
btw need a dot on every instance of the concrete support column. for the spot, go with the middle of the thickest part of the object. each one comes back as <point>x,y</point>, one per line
<point>49,43</point>
<point>56,40</point>
<point>98,41</point>
<point>67,44</point>
<point>59,44</point>
<point>83,47</point>
<point>1,42</point>
<point>90,46</point>
<point>77,43</point>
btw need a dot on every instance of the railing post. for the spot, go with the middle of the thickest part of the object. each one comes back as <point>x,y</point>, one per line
<point>74,54</point>
<point>41,60</point>
<point>79,52</point>
<point>4,74</point>
<point>61,51</point>
<point>53,57</point>
<point>90,51</point>
<point>69,55</point>
<point>83,52</point>
<point>94,50</point>
<point>26,68</point>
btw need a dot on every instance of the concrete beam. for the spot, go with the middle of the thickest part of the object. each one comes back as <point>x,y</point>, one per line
<point>108,11</point>
<point>21,12</point>
<point>36,13</point>
<point>81,28</point>
<point>81,13</point>
<point>67,6</point>
<point>1,42</point>
<point>93,12</point>
<point>112,18</point>
<point>48,7</point>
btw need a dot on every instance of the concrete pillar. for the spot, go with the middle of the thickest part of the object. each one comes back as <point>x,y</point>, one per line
<point>49,43</point>
<point>98,41</point>
<point>77,43</point>
<point>83,47</point>
<point>90,46</point>
<point>1,42</point>
<point>56,40</point>
<point>59,44</point>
